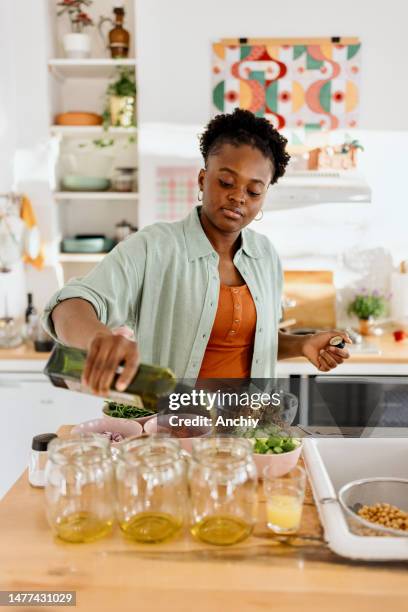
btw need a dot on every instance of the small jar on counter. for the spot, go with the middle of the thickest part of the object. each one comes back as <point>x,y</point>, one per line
<point>38,459</point>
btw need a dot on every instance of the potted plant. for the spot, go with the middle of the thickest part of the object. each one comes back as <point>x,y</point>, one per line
<point>367,307</point>
<point>121,100</point>
<point>77,44</point>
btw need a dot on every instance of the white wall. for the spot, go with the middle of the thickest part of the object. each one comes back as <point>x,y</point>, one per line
<point>174,76</point>
<point>7,101</point>
<point>174,38</point>
<point>24,147</point>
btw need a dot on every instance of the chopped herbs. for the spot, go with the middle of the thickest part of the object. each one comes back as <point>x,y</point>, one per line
<point>124,411</point>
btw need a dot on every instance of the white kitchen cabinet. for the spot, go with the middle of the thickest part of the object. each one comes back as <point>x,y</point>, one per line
<point>30,405</point>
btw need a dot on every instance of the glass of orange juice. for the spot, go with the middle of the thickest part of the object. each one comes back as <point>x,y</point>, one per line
<point>284,499</point>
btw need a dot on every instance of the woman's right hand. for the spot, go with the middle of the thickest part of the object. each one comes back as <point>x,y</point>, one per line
<point>106,352</point>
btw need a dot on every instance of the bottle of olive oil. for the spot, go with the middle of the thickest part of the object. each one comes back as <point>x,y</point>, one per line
<point>66,364</point>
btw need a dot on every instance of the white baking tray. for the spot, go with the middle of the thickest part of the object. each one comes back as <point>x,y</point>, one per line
<point>331,463</point>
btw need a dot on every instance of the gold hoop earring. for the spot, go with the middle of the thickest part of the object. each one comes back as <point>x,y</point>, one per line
<point>198,196</point>
<point>255,219</point>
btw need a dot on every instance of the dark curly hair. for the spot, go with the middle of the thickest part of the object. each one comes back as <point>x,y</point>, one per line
<point>243,127</point>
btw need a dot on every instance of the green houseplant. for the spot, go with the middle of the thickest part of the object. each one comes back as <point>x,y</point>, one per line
<point>367,307</point>
<point>121,100</point>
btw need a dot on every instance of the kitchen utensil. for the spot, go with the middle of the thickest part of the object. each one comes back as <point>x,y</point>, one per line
<point>370,491</point>
<point>359,459</point>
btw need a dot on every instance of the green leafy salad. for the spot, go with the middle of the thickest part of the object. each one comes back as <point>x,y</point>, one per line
<point>270,440</point>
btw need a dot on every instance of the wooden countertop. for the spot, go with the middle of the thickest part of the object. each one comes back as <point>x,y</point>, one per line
<point>23,352</point>
<point>391,351</point>
<point>265,572</point>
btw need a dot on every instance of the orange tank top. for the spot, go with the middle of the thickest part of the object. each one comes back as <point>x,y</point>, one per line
<point>231,344</point>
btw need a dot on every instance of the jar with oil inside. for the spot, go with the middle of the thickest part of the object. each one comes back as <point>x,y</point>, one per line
<point>79,489</point>
<point>223,490</point>
<point>151,489</point>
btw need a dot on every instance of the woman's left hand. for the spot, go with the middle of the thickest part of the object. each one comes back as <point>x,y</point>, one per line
<point>317,350</point>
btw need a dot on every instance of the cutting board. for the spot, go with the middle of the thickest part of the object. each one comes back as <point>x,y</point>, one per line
<point>315,297</point>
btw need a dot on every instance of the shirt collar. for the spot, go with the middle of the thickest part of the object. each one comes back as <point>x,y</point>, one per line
<point>198,244</point>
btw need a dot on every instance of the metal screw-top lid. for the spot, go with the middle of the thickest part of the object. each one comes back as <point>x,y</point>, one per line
<point>40,442</point>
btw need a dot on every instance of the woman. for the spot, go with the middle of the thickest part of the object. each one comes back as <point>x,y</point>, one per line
<point>203,294</point>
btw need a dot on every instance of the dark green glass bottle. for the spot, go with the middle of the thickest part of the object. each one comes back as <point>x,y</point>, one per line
<point>66,364</point>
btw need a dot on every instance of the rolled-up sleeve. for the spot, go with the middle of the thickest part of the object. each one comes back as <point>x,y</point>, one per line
<point>113,287</point>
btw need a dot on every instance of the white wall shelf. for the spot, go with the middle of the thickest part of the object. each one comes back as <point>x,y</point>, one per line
<point>81,257</point>
<point>90,130</point>
<point>86,68</point>
<point>128,196</point>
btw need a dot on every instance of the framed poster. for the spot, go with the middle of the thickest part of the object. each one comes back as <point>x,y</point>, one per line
<point>295,83</point>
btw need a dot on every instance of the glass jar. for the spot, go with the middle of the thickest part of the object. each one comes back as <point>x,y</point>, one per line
<point>151,488</point>
<point>124,179</point>
<point>284,499</point>
<point>223,490</point>
<point>79,489</point>
<point>38,459</point>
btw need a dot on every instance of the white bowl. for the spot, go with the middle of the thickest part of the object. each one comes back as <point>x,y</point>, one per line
<point>125,427</point>
<point>152,427</point>
<point>140,420</point>
<point>280,464</point>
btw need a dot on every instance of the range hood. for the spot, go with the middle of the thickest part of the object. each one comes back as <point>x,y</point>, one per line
<point>306,188</point>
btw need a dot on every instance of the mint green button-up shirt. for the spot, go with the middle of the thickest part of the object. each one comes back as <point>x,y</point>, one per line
<point>164,283</point>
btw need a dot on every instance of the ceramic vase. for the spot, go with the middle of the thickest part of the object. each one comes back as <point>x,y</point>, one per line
<point>77,45</point>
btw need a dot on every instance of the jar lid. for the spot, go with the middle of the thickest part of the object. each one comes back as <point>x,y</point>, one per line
<point>40,442</point>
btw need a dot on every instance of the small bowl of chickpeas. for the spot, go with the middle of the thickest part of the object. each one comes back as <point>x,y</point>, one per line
<point>376,506</point>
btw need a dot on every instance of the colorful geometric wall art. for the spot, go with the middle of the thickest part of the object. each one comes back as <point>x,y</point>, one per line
<point>310,86</point>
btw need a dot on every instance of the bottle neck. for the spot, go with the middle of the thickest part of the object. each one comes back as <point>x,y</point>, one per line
<point>119,17</point>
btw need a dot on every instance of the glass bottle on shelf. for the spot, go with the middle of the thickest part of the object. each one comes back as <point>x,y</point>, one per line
<point>30,310</point>
<point>118,37</point>
<point>31,317</point>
